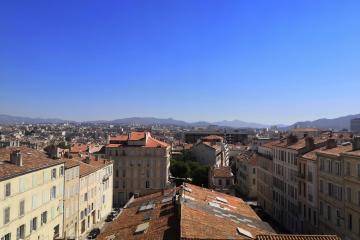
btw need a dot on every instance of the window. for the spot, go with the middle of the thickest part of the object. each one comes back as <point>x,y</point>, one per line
<point>321,186</point>
<point>53,193</point>
<point>33,224</point>
<point>147,184</point>
<point>53,173</point>
<point>44,218</point>
<point>329,212</point>
<point>6,215</point>
<point>61,171</point>
<point>347,169</point>
<point>220,182</point>
<point>21,185</point>
<point>22,208</point>
<point>85,197</point>
<point>20,232</point>
<point>7,190</point>
<point>253,181</point>
<point>350,222</point>
<point>358,168</point>
<point>348,194</point>
<point>6,237</point>
<point>254,170</point>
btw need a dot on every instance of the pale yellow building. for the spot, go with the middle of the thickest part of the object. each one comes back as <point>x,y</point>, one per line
<point>352,190</point>
<point>95,193</point>
<point>31,195</point>
<point>71,199</point>
<point>141,165</point>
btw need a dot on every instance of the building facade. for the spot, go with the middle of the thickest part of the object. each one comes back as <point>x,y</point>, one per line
<point>141,165</point>
<point>31,195</point>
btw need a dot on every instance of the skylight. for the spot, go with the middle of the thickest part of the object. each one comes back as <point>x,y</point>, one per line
<point>142,228</point>
<point>220,199</point>
<point>244,232</point>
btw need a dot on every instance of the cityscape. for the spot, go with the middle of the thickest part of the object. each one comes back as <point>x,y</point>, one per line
<point>186,120</point>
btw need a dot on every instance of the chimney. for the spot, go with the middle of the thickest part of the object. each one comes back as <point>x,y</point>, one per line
<point>291,139</point>
<point>309,143</point>
<point>331,143</point>
<point>356,143</point>
<point>16,158</point>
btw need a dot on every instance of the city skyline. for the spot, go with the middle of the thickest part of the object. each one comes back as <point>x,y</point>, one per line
<point>253,61</point>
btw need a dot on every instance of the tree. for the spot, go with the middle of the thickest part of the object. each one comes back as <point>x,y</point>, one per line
<point>200,176</point>
<point>179,169</point>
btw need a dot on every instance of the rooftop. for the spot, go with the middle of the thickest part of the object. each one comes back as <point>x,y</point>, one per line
<point>87,165</point>
<point>159,222</point>
<point>32,160</point>
<point>223,172</point>
<point>124,140</point>
<point>297,237</point>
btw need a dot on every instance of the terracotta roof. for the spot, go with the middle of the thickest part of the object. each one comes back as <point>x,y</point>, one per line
<point>305,130</point>
<point>32,160</point>
<point>336,150</point>
<point>247,156</point>
<point>222,172</point>
<point>297,237</point>
<point>78,148</point>
<point>212,137</point>
<point>91,165</point>
<point>270,144</point>
<point>353,153</point>
<point>207,214</point>
<point>122,140</point>
<point>311,155</point>
<point>300,143</point>
<point>69,163</point>
<point>163,221</point>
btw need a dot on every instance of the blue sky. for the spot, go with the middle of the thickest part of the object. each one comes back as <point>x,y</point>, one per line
<point>260,61</point>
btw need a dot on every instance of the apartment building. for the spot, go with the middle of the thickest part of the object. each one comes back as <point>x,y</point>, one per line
<point>307,178</point>
<point>352,190</point>
<point>246,174</point>
<point>71,199</point>
<point>264,162</point>
<point>331,189</point>
<point>31,195</point>
<point>231,136</point>
<point>306,132</point>
<point>285,182</point>
<point>141,165</point>
<point>211,151</point>
<point>222,179</point>
<point>95,194</point>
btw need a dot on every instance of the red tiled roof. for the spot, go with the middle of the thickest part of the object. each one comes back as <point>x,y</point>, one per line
<point>89,166</point>
<point>222,172</point>
<point>305,130</point>
<point>297,237</point>
<point>32,160</point>
<point>118,141</point>
<point>163,222</point>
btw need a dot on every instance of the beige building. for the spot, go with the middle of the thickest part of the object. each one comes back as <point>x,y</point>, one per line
<point>71,199</point>
<point>352,190</point>
<point>331,189</point>
<point>285,181</point>
<point>221,179</point>
<point>141,165</point>
<point>211,151</point>
<point>31,195</point>
<point>95,194</point>
<point>264,160</point>
<point>246,181</point>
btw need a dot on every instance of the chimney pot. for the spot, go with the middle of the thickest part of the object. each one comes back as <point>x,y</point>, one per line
<point>16,158</point>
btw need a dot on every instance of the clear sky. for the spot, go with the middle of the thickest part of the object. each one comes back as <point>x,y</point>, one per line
<point>260,61</point>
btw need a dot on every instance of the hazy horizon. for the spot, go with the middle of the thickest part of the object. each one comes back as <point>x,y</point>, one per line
<point>268,62</point>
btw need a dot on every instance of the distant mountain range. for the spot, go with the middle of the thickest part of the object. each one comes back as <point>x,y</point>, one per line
<point>335,123</point>
<point>324,123</point>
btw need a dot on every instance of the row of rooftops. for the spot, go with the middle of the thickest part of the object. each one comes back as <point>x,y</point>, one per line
<point>135,139</point>
<point>192,212</point>
<point>22,160</point>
